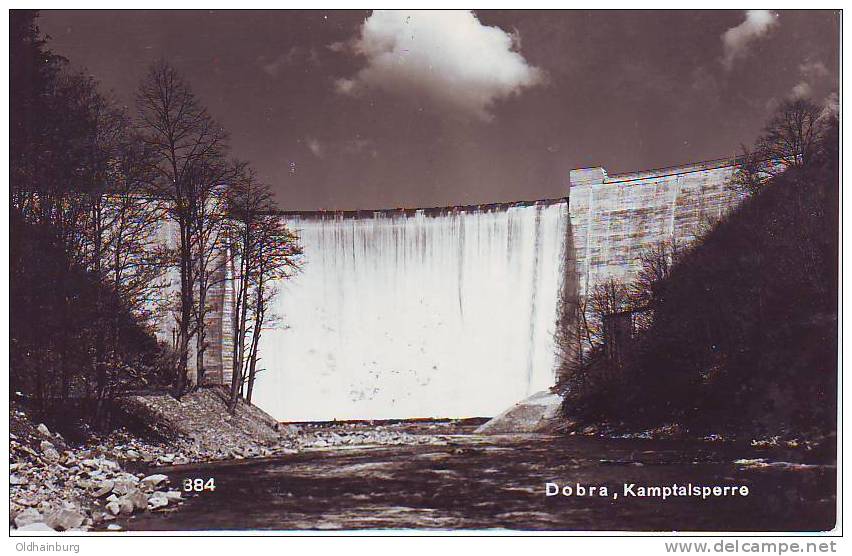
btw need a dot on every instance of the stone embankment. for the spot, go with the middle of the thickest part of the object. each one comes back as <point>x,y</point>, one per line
<point>57,485</point>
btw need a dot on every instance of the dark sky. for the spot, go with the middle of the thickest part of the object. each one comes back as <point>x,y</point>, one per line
<point>342,110</point>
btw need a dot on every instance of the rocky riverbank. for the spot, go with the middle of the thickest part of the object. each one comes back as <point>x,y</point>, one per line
<point>60,485</point>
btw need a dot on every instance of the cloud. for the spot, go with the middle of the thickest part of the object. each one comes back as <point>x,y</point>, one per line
<point>315,147</point>
<point>737,40</point>
<point>297,55</point>
<point>831,105</point>
<point>446,57</point>
<point>813,70</point>
<point>802,89</point>
<point>812,75</point>
<point>338,46</point>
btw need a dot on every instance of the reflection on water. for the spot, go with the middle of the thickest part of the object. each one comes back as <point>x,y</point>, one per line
<point>499,482</point>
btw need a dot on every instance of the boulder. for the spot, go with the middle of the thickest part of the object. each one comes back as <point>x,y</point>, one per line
<point>28,516</point>
<point>153,481</point>
<point>114,507</point>
<point>109,464</point>
<point>157,500</point>
<point>104,488</point>
<point>125,506</point>
<point>173,495</point>
<point>65,519</point>
<point>538,413</point>
<point>17,480</point>
<point>123,486</point>
<point>48,451</point>
<point>136,498</point>
<point>114,527</point>
<point>42,428</point>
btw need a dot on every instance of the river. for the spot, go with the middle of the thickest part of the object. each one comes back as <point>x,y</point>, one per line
<point>477,482</point>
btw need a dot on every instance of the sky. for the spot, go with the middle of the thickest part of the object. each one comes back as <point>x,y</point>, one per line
<point>360,110</point>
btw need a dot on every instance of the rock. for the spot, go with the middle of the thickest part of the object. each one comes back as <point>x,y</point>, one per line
<point>17,480</point>
<point>65,519</point>
<point>537,413</point>
<point>124,486</point>
<point>109,464</point>
<point>125,506</point>
<point>128,477</point>
<point>113,507</point>
<point>157,500</point>
<point>136,498</point>
<point>48,451</point>
<point>42,428</point>
<point>133,454</point>
<point>26,517</point>
<point>153,481</point>
<point>36,527</point>
<point>173,495</point>
<point>104,488</point>
<point>114,527</point>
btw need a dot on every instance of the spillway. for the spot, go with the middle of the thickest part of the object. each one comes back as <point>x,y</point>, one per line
<point>421,313</point>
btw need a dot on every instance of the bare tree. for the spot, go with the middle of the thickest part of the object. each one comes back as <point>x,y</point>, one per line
<point>248,200</point>
<point>609,304</point>
<point>751,172</point>
<point>791,139</point>
<point>277,259</point>
<point>183,138</point>
<point>209,245</point>
<point>264,250</point>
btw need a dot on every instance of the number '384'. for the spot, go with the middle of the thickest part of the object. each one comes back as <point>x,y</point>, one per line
<point>199,484</point>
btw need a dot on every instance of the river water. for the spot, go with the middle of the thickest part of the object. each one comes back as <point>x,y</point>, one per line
<point>476,482</point>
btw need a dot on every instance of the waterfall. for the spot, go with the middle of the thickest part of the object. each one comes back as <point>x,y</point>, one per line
<point>428,313</point>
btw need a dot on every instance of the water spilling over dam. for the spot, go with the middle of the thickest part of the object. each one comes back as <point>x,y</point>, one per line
<point>446,312</point>
<point>450,312</point>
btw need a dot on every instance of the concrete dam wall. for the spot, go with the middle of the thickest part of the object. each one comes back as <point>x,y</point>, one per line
<point>445,313</point>
<point>615,218</point>
<point>451,312</point>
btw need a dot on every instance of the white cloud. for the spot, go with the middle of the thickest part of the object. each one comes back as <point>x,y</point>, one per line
<point>813,70</point>
<point>813,75</point>
<point>737,40</point>
<point>315,147</point>
<point>831,105</point>
<point>447,57</point>
<point>802,89</point>
<point>297,55</point>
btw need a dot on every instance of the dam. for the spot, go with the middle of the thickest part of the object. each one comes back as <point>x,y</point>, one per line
<point>452,312</point>
<point>429,313</point>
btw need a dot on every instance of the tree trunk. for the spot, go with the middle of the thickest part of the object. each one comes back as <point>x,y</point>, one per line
<point>185,311</point>
<point>239,332</point>
<point>255,339</point>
